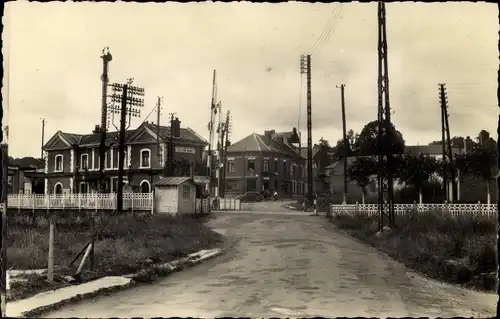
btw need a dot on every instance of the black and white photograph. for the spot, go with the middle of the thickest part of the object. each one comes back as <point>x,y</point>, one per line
<point>238,159</point>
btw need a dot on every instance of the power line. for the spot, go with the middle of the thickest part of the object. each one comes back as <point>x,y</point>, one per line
<point>330,31</point>
<point>327,25</point>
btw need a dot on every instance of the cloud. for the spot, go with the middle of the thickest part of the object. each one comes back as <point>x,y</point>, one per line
<point>172,49</point>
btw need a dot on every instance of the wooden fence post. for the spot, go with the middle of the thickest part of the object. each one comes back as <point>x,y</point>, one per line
<point>79,201</point>
<point>152,202</point>
<point>356,210</point>
<point>95,201</point>
<point>132,203</point>
<point>479,208</point>
<point>50,265</point>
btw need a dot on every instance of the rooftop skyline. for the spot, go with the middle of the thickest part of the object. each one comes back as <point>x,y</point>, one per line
<point>52,65</point>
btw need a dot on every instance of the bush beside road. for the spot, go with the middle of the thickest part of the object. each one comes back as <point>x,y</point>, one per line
<point>456,250</point>
<point>124,244</point>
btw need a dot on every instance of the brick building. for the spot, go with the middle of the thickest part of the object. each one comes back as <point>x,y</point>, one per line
<point>265,162</point>
<point>72,160</point>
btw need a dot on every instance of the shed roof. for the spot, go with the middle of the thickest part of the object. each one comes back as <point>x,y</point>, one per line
<point>172,181</point>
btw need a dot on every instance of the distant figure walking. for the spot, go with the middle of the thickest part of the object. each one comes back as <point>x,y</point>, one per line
<point>275,195</point>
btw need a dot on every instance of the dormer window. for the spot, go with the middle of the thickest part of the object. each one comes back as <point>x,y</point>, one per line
<point>58,164</point>
<point>145,160</point>
<point>84,161</point>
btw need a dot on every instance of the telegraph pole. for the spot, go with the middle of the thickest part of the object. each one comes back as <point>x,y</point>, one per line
<point>213,112</point>
<point>158,113</point>
<point>449,154</point>
<point>346,144</point>
<point>106,58</point>
<point>443,148</point>
<point>305,67</point>
<point>124,95</point>
<point>386,193</point>
<point>43,135</point>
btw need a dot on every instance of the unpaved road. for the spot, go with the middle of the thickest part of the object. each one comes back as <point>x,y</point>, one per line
<point>289,266</point>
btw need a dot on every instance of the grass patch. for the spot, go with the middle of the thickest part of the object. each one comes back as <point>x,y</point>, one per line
<point>456,250</point>
<point>124,244</point>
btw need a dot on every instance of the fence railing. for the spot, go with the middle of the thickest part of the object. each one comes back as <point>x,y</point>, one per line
<point>131,201</point>
<point>453,210</point>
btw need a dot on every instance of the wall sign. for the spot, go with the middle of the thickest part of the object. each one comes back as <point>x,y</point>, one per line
<point>189,150</point>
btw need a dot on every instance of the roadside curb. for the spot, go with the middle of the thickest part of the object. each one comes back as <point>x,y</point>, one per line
<point>162,270</point>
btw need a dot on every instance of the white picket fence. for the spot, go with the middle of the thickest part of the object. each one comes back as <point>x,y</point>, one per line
<point>131,201</point>
<point>453,210</point>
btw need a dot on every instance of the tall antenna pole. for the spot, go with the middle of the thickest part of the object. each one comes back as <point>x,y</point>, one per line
<point>227,130</point>
<point>43,137</point>
<point>386,194</point>
<point>106,58</point>
<point>346,143</point>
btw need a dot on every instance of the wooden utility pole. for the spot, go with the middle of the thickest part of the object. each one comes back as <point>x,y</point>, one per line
<point>346,142</point>
<point>213,111</point>
<point>43,137</point>
<point>121,149</point>
<point>126,102</point>
<point>443,151</point>
<point>447,150</point>
<point>305,67</point>
<point>385,159</point>
<point>158,113</point>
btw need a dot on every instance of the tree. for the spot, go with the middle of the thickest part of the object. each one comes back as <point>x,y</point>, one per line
<point>481,163</point>
<point>322,159</point>
<point>352,138</point>
<point>417,170</point>
<point>367,141</point>
<point>456,142</point>
<point>361,171</point>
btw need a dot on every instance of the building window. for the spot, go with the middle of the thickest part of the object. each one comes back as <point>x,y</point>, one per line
<point>58,167</point>
<point>230,166</point>
<point>251,185</point>
<point>266,166</point>
<point>251,165</point>
<point>294,170</point>
<point>186,191</point>
<point>284,168</point>
<point>302,171</point>
<point>58,189</point>
<point>294,187</point>
<point>145,186</point>
<point>276,165</point>
<point>84,161</point>
<point>84,188</point>
<point>145,161</point>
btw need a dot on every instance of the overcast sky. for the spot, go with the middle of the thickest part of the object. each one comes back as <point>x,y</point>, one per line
<point>53,61</point>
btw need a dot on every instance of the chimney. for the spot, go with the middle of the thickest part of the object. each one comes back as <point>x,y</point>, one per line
<point>268,136</point>
<point>468,144</point>
<point>97,129</point>
<point>175,127</point>
<point>177,131</point>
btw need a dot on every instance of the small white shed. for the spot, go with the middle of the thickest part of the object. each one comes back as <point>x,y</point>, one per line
<point>175,195</point>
